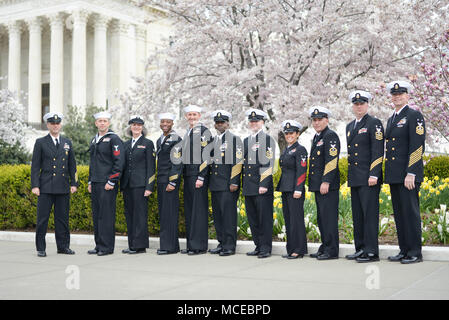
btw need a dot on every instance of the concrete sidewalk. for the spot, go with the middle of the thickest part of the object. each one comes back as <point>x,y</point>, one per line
<point>148,276</point>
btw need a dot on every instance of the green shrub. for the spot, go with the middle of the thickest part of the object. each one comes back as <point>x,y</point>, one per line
<point>436,166</point>
<point>13,154</point>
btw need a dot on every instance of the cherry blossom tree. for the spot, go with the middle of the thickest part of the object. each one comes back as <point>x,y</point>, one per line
<point>283,56</point>
<point>12,115</point>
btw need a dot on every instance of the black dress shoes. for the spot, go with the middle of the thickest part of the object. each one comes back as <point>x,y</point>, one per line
<point>285,256</point>
<point>224,253</point>
<point>196,252</point>
<point>262,255</point>
<point>253,253</point>
<point>135,251</point>
<point>103,253</point>
<point>125,251</point>
<point>410,260</point>
<point>163,252</point>
<point>41,254</point>
<point>93,251</point>
<point>355,255</point>
<point>326,256</point>
<point>216,250</point>
<point>291,256</point>
<point>367,257</point>
<point>66,251</point>
<point>315,255</point>
<point>185,251</point>
<point>396,258</point>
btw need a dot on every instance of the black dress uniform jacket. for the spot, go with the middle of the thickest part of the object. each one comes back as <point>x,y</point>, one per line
<point>138,176</point>
<point>293,162</point>
<point>258,172</point>
<point>53,170</point>
<point>106,158</point>
<point>323,165</point>
<point>405,143</point>
<point>140,165</point>
<point>225,169</point>
<point>365,151</point>
<point>196,167</point>
<point>365,156</point>
<point>169,172</point>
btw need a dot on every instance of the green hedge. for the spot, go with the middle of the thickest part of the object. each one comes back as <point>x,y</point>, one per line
<point>18,204</point>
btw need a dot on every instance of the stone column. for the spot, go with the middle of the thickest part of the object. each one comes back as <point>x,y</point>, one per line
<point>35,71</point>
<point>141,33</point>
<point>131,55</point>
<point>100,61</point>
<point>14,28</point>
<point>119,62</point>
<point>79,58</point>
<point>57,63</point>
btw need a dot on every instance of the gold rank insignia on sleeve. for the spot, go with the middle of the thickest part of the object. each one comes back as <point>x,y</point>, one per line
<point>151,179</point>
<point>269,153</point>
<point>76,176</point>
<point>420,128</point>
<point>173,177</point>
<point>236,170</point>
<point>376,163</point>
<point>415,156</point>
<point>333,151</point>
<point>330,166</point>
<point>379,134</point>
<point>266,174</point>
<point>203,165</point>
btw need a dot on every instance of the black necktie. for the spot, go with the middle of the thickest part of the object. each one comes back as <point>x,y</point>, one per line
<point>57,143</point>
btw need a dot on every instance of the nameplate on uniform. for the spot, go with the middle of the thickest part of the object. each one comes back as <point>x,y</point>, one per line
<point>141,147</point>
<point>363,130</point>
<point>320,143</point>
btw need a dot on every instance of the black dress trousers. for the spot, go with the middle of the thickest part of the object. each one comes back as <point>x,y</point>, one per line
<point>196,209</point>
<point>103,214</point>
<point>327,217</point>
<point>224,206</point>
<point>365,215</point>
<point>61,203</point>
<point>259,210</point>
<point>293,210</point>
<point>136,214</point>
<point>407,218</point>
<point>168,203</point>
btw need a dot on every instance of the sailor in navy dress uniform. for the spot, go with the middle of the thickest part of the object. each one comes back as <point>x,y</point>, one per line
<point>224,183</point>
<point>324,181</point>
<point>293,162</point>
<point>53,178</point>
<point>105,169</point>
<point>169,170</point>
<point>365,140</point>
<point>257,183</point>
<point>196,162</point>
<point>137,184</point>
<point>405,142</point>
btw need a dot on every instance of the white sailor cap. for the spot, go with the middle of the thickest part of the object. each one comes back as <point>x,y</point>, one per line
<point>319,112</point>
<point>102,115</point>
<point>54,117</point>
<point>136,119</point>
<point>360,96</point>
<point>192,108</point>
<point>399,86</point>
<point>291,126</point>
<point>167,116</point>
<point>221,115</point>
<point>256,114</point>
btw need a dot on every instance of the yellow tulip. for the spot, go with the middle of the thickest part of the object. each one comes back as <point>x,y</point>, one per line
<point>274,215</point>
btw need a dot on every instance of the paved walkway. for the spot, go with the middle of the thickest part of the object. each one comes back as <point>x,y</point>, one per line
<point>148,276</point>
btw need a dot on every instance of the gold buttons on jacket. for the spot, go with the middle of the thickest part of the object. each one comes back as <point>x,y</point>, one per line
<point>54,159</point>
<point>392,148</point>
<point>356,154</point>
<point>356,145</point>
<point>54,174</point>
<point>54,167</point>
<point>392,158</point>
<point>394,139</point>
